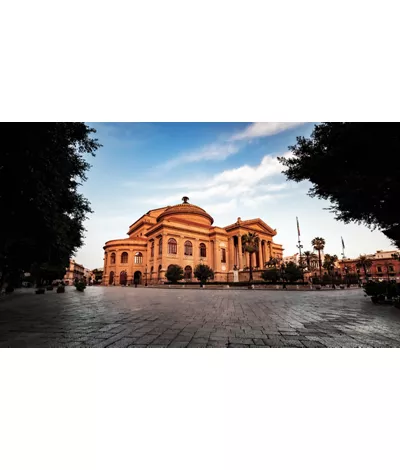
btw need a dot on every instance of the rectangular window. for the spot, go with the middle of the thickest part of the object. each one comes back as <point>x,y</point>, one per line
<point>391,269</point>
<point>223,255</point>
<point>379,269</point>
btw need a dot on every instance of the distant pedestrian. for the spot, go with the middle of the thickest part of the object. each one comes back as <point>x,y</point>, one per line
<point>135,282</point>
<point>284,285</point>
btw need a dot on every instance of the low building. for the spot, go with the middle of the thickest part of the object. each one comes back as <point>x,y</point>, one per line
<point>291,259</point>
<point>88,275</point>
<point>74,271</point>
<point>383,266</point>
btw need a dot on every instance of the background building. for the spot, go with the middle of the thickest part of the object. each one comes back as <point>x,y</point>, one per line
<point>291,259</point>
<point>184,234</point>
<point>383,266</point>
<point>74,271</point>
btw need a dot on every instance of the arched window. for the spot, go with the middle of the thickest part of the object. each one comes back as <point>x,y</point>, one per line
<point>123,277</point>
<point>160,246</point>
<point>138,258</point>
<point>124,257</point>
<point>223,255</point>
<point>203,250</point>
<point>188,273</point>
<point>152,250</point>
<point>188,248</point>
<point>172,246</point>
<point>111,280</point>
<point>151,272</point>
<point>112,259</point>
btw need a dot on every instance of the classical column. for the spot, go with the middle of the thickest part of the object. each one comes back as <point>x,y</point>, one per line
<point>231,253</point>
<point>195,252</point>
<point>240,256</point>
<point>217,260</point>
<point>164,252</point>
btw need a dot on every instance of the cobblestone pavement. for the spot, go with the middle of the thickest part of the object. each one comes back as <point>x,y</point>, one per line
<point>127,317</point>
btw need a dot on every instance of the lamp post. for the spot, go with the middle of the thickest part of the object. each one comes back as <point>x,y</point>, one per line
<point>145,276</point>
<point>346,275</point>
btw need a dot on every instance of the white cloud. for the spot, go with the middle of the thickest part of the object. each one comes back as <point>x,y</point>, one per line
<point>263,129</point>
<point>224,193</point>
<point>209,152</point>
<point>226,148</point>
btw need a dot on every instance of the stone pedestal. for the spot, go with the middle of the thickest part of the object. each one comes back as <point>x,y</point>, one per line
<point>235,275</point>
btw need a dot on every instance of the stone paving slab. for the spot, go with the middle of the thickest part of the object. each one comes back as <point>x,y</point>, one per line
<point>170,318</point>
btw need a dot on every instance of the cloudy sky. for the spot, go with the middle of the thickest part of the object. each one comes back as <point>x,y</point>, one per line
<point>229,169</point>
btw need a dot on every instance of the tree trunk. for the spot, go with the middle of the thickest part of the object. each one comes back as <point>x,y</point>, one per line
<point>251,267</point>
<point>320,264</point>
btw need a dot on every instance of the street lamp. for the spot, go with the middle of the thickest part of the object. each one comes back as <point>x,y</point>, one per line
<point>346,275</point>
<point>145,276</point>
<point>300,246</point>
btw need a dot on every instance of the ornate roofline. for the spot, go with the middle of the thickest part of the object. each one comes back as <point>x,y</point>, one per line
<point>243,223</point>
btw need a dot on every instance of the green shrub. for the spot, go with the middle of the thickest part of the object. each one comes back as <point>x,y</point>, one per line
<point>174,273</point>
<point>80,286</point>
<point>203,273</point>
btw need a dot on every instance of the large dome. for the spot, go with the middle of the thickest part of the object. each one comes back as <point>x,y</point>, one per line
<point>186,211</point>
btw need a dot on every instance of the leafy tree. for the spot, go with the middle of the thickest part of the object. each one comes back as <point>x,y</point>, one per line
<point>356,167</point>
<point>174,273</point>
<point>42,166</point>
<point>203,273</point>
<point>309,258</point>
<point>98,274</point>
<point>318,244</point>
<point>271,274</point>
<point>251,243</point>
<point>292,272</point>
<point>47,272</point>
<point>364,263</point>
<point>274,262</point>
<point>329,263</point>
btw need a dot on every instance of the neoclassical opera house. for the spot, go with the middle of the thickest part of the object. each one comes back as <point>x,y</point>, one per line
<point>184,234</point>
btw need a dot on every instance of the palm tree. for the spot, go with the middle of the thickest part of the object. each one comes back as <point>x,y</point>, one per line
<point>329,263</point>
<point>318,244</point>
<point>365,263</point>
<point>273,262</point>
<point>309,258</point>
<point>251,243</point>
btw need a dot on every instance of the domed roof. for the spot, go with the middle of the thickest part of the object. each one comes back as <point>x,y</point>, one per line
<point>185,208</point>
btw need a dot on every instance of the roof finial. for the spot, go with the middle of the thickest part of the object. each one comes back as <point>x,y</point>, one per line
<point>185,199</point>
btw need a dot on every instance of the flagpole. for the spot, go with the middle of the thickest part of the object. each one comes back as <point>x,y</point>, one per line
<point>299,246</point>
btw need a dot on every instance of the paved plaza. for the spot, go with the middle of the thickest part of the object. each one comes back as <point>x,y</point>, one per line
<point>150,317</point>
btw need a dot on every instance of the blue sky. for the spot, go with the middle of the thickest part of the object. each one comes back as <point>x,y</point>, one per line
<point>229,169</point>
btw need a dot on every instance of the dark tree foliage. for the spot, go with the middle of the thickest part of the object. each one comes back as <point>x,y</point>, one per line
<point>356,167</point>
<point>41,168</point>
<point>203,273</point>
<point>174,273</point>
<point>271,274</point>
<point>293,272</point>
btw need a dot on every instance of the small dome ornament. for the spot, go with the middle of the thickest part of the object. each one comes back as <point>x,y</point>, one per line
<point>185,200</point>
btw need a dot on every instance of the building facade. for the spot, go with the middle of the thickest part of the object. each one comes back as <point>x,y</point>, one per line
<point>74,271</point>
<point>384,267</point>
<point>184,234</point>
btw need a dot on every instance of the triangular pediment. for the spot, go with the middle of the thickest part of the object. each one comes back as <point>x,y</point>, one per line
<point>256,225</point>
